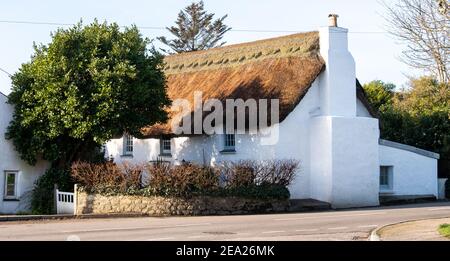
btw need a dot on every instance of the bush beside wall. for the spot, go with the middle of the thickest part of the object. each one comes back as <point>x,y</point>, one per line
<point>244,187</point>
<point>248,179</point>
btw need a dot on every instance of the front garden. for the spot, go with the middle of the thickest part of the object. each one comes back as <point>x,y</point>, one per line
<point>162,189</point>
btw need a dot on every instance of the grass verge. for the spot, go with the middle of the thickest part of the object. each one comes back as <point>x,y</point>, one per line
<point>445,230</point>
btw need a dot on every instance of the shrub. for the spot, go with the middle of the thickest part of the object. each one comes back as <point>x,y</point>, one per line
<point>108,176</point>
<point>42,198</point>
<point>239,174</point>
<point>250,172</point>
<point>181,181</point>
<point>250,179</point>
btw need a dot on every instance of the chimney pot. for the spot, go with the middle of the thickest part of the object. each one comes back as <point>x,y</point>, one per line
<point>333,20</point>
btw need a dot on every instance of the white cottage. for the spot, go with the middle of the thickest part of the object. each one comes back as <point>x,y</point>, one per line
<point>17,178</point>
<point>325,120</point>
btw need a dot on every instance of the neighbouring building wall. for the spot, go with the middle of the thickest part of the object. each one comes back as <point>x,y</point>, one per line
<point>10,161</point>
<point>413,174</point>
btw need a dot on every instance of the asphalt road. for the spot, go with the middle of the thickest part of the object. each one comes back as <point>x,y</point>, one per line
<point>353,224</point>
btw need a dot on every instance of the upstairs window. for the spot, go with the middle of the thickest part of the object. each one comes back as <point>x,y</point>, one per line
<point>11,178</point>
<point>128,145</point>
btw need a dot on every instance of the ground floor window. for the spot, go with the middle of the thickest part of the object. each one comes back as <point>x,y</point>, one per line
<point>230,142</point>
<point>386,178</point>
<point>166,146</point>
<point>128,145</point>
<point>11,178</point>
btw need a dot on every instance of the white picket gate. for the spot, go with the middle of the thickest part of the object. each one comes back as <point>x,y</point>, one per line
<point>65,202</point>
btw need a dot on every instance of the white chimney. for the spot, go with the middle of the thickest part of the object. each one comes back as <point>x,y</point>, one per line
<point>338,89</point>
<point>344,150</point>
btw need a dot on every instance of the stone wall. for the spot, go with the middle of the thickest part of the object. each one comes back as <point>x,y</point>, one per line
<point>161,206</point>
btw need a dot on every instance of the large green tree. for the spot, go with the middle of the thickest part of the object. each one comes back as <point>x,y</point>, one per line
<point>195,29</point>
<point>89,84</point>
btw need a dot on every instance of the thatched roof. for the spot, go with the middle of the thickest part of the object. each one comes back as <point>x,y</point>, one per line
<point>280,68</point>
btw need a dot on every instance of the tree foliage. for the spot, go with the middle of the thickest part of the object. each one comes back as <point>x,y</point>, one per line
<point>89,84</point>
<point>418,116</point>
<point>379,94</point>
<point>425,96</point>
<point>195,30</point>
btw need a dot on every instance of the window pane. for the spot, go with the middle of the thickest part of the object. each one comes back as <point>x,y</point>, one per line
<point>10,184</point>
<point>385,177</point>
<point>128,144</point>
<point>230,140</point>
<point>166,145</point>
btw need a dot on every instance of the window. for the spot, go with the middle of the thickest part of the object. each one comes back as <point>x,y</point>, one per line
<point>11,184</point>
<point>386,177</point>
<point>166,146</point>
<point>230,142</point>
<point>127,145</point>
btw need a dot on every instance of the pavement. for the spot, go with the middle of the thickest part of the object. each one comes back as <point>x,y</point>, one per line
<point>5,218</point>
<point>420,230</point>
<point>354,224</point>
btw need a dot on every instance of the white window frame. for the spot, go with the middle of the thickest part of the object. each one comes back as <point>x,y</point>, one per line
<point>389,172</point>
<point>128,145</point>
<point>164,142</point>
<point>229,142</point>
<point>16,182</point>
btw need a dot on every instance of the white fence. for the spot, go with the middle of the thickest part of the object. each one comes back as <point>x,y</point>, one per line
<point>65,202</point>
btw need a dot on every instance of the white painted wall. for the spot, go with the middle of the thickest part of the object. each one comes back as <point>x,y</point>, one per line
<point>361,110</point>
<point>338,81</point>
<point>10,160</point>
<point>344,160</point>
<point>413,174</point>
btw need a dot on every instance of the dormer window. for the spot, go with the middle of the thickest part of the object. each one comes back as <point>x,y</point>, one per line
<point>128,145</point>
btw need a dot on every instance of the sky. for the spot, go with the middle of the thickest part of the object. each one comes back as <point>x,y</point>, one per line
<point>376,52</point>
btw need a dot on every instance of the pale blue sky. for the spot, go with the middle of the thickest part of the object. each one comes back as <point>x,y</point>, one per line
<point>376,54</point>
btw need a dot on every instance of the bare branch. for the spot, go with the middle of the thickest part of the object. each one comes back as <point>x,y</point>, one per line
<point>423,25</point>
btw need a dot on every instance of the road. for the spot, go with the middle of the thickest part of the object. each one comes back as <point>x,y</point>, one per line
<point>355,224</point>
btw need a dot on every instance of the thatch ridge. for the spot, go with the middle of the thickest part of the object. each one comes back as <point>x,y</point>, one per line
<point>302,44</point>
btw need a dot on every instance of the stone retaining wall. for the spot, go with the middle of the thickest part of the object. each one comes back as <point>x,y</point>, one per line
<point>161,206</point>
